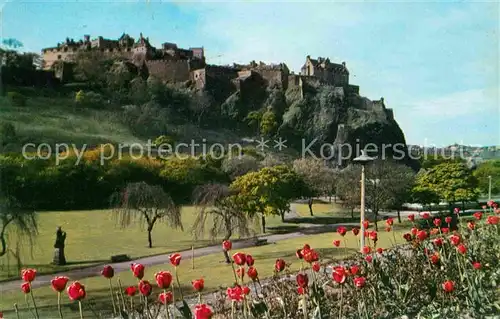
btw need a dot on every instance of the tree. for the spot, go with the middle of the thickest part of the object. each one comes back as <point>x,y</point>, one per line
<point>489,168</point>
<point>268,124</point>
<point>349,187</point>
<point>387,183</point>
<point>239,165</point>
<point>317,176</point>
<point>146,204</point>
<point>452,182</point>
<point>268,191</point>
<point>23,220</point>
<point>92,67</point>
<point>219,209</point>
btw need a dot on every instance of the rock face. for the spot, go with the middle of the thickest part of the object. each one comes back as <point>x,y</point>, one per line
<point>337,124</point>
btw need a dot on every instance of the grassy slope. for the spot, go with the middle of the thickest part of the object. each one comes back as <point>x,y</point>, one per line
<point>216,273</point>
<point>54,120</point>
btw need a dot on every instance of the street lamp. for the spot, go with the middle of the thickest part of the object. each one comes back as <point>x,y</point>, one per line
<point>489,188</point>
<point>363,160</point>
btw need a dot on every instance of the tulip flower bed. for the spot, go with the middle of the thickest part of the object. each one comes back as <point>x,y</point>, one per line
<point>439,273</point>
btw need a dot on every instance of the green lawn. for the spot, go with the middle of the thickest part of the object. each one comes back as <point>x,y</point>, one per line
<point>217,274</point>
<point>94,236</point>
<point>322,209</point>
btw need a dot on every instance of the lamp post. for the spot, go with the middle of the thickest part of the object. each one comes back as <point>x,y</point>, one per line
<point>363,159</point>
<point>489,188</point>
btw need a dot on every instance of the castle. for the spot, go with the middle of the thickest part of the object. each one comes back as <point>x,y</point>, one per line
<point>169,63</point>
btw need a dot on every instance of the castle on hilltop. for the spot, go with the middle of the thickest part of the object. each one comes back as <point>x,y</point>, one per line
<point>169,63</point>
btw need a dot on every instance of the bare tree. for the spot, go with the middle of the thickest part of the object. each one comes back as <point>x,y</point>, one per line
<point>237,166</point>
<point>348,187</point>
<point>317,176</point>
<point>22,220</point>
<point>219,212</point>
<point>146,204</point>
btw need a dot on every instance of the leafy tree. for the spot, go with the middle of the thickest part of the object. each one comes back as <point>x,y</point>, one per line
<point>452,182</point>
<point>268,191</point>
<point>146,204</point>
<point>401,180</point>
<point>268,124</point>
<point>489,168</point>
<point>317,176</point>
<point>349,187</point>
<point>254,119</point>
<point>220,213</point>
<point>92,67</point>
<point>23,220</point>
<point>432,160</point>
<point>163,139</point>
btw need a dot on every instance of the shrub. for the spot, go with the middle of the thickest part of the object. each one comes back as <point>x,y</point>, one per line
<point>7,133</point>
<point>89,99</point>
<point>17,99</point>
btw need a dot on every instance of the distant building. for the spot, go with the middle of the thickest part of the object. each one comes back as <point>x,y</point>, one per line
<point>323,69</point>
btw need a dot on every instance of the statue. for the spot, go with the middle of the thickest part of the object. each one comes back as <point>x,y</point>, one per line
<point>59,258</point>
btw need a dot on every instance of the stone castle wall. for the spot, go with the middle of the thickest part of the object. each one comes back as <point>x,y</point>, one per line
<point>169,70</point>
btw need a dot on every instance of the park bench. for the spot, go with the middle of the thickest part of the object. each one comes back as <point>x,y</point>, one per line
<point>120,258</point>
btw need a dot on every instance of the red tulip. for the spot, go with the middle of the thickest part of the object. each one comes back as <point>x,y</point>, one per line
<point>240,259</point>
<point>476,265</point>
<point>389,221</point>
<point>492,220</point>
<point>407,236</point>
<point>380,250</point>
<point>250,260</point>
<point>235,294</point>
<point>484,206</point>
<point>438,242</point>
<point>411,217</point>
<point>28,275</point>
<point>59,283</point>
<point>388,229</point>
<point>245,290</point>
<point>448,286</point>
<point>471,225</point>
<point>26,288</point>
<point>434,258</point>
<point>137,270</point>
<point>359,282</point>
<point>455,240</point>
<point>355,231</point>
<point>108,272</point>
<point>490,203</point>
<point>353,270</point>
<point>165,298</point>
<point>369,258</point>
<point>202,312</point>
<point>339,274</point>
<point>437,222</point>
<point>198,284</point>
<point>421,235</point>
<point>478,215</point>
<point>367,250</point>
<point>434,231</point>
<point>336,243</point>
<point>448,219</point>
<point>131,291</point>
<point>302,280</point>
<point>316,266</point>
<point>306,247</point>
<point>175,259</point>
<point>300,290</point>
<point>298,253</point>
<point>373,236</point>
<point>76,291</point>
<point>145,288</point>
<point>462,249</point>
<point>310,256</point>
<point>456,210</point>
<point>279,265</point>
<point>227,245</point>
<point>240,272</point>
<point>163,279</point>
<point>426,215</point>
<point>252,273</point>
<point>366,224</point>
<point>342,230</point>
<point>414,231</point>
<point>445,230</point>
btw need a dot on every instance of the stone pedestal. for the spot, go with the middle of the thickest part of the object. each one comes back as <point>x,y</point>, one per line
<point>59,258</point>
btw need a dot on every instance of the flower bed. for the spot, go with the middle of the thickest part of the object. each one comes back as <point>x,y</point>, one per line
<point>443,272</point>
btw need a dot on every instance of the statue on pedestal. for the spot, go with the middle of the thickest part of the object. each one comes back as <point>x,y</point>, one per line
<point>59,258</point>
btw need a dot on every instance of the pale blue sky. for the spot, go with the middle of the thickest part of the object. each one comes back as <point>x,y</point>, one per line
<point>436,64</point>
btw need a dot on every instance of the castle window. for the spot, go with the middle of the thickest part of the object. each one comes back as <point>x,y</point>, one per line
<point>59,57</point>
<point>66,49</point>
